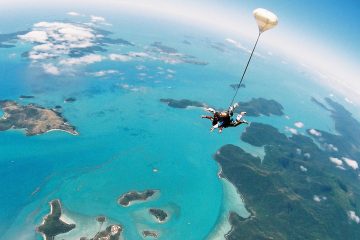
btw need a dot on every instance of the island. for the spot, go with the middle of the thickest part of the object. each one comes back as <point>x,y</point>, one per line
<point>33,118</point>
<point>70,100</point>
<point>261,106</point>
<point>295,192</point>
<point>159,214</point>
<point>26,97</point>
<point>52,225</point>
<point>183,103</point>
<point>255,107</point>
<point>150,233</point>
<point>127,199</point>
<point>112,232</point>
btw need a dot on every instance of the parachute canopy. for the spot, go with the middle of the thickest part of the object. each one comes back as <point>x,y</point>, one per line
<point>265,19</point>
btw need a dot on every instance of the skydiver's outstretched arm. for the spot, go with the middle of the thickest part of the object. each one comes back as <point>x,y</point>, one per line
<point>208,117</point>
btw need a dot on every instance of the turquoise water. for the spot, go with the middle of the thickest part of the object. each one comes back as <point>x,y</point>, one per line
<point>125,134</point>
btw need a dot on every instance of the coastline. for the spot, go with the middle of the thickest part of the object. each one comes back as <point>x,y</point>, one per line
<point>233,201</point>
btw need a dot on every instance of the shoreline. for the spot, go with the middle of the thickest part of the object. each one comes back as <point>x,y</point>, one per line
<point>223,227</point>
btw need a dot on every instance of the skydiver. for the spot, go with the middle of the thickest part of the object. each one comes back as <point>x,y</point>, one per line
<point>224,119</point>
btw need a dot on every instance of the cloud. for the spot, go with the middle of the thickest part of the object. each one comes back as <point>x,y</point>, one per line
<point>51,69</point>
<point>352,216</point>
<point>303,169</point>
<point>336,161</point>
<point>105,72</point>
<point>299,124</point>
<point>88,59</point>
<point>237,44</point>
<point>119,57</point>
<point>316,198</point>
<point>331,147</point>
<point>35,36</point>
<point>98,20</point>
<point>315,132</point>
<point>351,163</point>
<point>291,130</point>
<point>57,39</point>
<point>348,100</point>
<point>73,14</point>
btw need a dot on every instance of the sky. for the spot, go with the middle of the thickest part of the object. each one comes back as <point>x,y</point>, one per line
<point>322,35</point>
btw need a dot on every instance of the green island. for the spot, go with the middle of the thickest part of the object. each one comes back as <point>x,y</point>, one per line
<point>261,106</point>
<point>150,233</point>
<point>255,107</point>
<point>183,103</point>
<point>52,225</point>
<point>33,118</point>
<point>159,214</point>
<point>112,232</point>
<point>295,192</point>
<point>128,198</point>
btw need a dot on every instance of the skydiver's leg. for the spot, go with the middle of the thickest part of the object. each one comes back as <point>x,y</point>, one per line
<point>214,126</point>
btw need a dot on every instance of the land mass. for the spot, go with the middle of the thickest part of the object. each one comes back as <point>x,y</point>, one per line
<point>127,198</point>
<point>112,232</point>
<point>150,233</point>
<point>33,118</point>
<point>52,225</point>
<point>255,107</point>
<point>159,214</point>
<point>183,103</point>
<point>295,192</point>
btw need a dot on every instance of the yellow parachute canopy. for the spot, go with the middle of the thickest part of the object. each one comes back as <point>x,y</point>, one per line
<point>265,19</point>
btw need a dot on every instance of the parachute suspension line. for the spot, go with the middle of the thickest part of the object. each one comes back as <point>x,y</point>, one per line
<point>242,77</point>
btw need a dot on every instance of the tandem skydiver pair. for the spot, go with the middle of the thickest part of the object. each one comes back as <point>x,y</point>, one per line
<point>224,119</point>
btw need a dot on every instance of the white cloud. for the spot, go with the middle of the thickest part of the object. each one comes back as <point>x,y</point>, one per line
<point>351,163</point>
<point>237,44</point>
<point>88,59</point>
<point>352,216</point>
<point>336,161</point>
<point>348,100</point>
<point>55,40</point>
<point>340,167</point>
<point>315,132</point>
<point>331,147</point>
<point>303,169</point>
<point>105,72</point>
<point>316,198</point>
<point>39,55</point>
<point>119,57</point>
<point>73,13</point>
<point>307,155</point>
<point>51,69</point>
<point>299,124</point>
<point>291,130</point>
<point>97,19</point>
<point>35,36</point>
